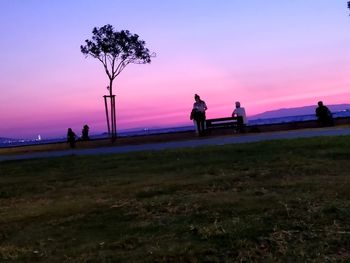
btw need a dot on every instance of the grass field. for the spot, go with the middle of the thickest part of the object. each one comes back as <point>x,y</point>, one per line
<point>286,201</point>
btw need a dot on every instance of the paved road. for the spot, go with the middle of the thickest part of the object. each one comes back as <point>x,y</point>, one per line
<point>245,138</point>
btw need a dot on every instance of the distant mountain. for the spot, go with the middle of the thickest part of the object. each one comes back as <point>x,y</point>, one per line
<point>306,110</point>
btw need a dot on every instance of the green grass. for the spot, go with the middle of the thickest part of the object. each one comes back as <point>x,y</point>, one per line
<point>286,201</point>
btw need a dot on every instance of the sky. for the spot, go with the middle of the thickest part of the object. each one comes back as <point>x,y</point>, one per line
<point>266,54</point>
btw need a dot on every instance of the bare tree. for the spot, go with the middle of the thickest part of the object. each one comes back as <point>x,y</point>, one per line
<point>115,50</point>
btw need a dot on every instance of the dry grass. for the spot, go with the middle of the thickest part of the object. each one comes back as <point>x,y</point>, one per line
<point>285,201</point>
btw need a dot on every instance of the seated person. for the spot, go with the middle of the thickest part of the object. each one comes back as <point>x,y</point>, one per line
<point>85,133</point>
<point>240,112</point>
<point>324,115</point>
<point>71,138</point>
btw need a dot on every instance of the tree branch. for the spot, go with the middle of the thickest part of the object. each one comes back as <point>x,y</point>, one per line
<point>120,67</point>
<point>113,63</point>
<point>105,66</point>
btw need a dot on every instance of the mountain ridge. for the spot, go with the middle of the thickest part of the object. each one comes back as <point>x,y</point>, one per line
<point>297,111</point>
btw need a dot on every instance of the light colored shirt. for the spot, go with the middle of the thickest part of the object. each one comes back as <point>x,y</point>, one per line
<point>200,106</point>
<point>240,112</point>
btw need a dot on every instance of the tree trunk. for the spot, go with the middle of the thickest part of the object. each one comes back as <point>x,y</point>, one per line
<point>113,118</point>
<point>107,115</point>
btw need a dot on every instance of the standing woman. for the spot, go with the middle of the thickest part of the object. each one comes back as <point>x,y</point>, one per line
<point>199,108</point>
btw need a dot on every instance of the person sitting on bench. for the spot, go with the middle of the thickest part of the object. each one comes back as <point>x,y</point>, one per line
<point>242,119</point>
<point>324,115</point>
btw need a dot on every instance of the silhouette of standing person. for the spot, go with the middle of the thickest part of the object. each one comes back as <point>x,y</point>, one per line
<point>71,138</point>
<point>324,115</point>
<point>242,118</point>
<point>85,133</point>
<point>198,112</point>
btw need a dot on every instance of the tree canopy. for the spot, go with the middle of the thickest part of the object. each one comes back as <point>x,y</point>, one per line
<point>116,49</point>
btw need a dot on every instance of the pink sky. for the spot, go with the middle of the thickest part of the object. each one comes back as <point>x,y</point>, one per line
<point>274,55</point>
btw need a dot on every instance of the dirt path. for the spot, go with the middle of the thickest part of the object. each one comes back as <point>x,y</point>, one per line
<point>203,141</point>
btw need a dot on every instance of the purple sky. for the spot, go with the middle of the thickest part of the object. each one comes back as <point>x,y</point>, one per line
<point>267,54</point>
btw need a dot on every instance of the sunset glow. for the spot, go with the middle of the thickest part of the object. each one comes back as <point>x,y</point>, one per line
<point>267,54</point>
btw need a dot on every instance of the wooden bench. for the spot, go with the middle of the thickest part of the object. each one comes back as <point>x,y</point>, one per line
<point>228,122</point>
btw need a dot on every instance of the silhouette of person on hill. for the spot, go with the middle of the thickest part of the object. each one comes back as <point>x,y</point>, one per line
<point>324,115</point>
<point>241,116</point>
<point>198,114</point>
<point>71,138</point>
<point>85,133</point>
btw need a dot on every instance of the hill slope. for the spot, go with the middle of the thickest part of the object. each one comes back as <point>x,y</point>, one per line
<point>306,110</point>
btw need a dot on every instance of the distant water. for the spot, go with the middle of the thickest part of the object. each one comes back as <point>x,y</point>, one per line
<point>142,132</point>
